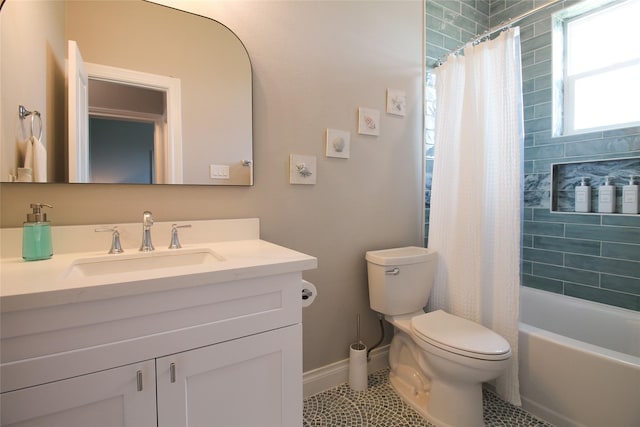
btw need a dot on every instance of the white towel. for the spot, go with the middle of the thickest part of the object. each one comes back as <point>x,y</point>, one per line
<point>39,161</point>
<point>28,153</point>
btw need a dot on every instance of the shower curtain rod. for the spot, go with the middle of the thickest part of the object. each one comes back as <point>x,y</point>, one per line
<point>502,26</point>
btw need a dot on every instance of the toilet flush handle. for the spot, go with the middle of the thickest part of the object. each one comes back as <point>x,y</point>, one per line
<point>393,272</point>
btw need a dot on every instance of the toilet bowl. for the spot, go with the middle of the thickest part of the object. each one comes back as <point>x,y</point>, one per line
<point>441,376</point>
<point>438,361</point>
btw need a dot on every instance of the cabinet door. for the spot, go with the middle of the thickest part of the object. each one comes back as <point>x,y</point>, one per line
<point>251,381</point>
<point>108,398</point>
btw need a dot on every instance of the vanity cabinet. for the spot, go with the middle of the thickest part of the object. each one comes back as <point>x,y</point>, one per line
<point>245,382</point>
<point>212,385</point>
<point>226,354</point>
<point>109,398</point>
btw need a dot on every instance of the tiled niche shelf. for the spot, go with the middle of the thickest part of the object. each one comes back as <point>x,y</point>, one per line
<point>566,176</point>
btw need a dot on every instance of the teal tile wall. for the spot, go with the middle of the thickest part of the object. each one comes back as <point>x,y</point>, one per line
<point>451,23</point>
<point>593,257</point>
<point>600,253</point>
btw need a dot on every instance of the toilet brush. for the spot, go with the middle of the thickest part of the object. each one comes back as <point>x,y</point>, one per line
<point>358,362</point>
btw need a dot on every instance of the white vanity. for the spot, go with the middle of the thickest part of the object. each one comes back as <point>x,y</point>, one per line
<point>209,334</point>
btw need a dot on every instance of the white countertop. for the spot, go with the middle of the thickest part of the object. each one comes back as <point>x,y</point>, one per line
<point>36,284</point>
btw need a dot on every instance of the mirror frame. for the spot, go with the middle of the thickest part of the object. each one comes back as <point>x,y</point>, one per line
<point>51,70</point>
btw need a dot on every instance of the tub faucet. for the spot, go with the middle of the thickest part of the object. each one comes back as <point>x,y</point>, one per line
<point>147,222</point>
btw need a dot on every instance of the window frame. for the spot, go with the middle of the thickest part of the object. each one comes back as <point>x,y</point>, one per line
<point>563,115</point>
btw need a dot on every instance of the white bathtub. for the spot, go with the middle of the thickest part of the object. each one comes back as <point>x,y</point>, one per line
<point>579,361</point>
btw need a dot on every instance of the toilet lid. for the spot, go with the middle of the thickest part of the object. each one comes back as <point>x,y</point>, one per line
<point>460,336</point>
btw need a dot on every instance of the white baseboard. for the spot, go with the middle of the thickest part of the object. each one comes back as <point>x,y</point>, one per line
<point>334,374</point>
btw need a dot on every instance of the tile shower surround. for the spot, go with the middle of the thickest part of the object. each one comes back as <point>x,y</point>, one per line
<point>589,256</point>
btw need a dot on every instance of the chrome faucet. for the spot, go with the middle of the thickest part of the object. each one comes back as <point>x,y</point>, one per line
<point>116,247</point>
<point>147,222</point>
<point>175,241</point>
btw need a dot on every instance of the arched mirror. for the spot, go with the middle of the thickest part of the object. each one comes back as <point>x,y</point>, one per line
<point>168,94</point>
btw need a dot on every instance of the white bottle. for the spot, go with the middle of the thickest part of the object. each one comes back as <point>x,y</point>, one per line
<point>583,196</point>
<point>607,196</point>
<point>630,195</point>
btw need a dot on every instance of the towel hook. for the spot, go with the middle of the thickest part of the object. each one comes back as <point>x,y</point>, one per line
<point>23,113</point>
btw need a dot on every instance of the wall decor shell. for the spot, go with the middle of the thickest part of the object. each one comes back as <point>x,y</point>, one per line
<point>368,121</point>
<point>338,143</point>
<point>302,169</point>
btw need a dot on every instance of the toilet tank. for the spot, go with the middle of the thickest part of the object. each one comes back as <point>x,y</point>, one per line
<point>400,279</point>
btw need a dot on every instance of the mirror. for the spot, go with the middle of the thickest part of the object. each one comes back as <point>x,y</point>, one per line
<point>134,37</point>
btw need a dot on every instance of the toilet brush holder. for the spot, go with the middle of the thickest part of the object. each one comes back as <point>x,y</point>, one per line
<point>358,367</point>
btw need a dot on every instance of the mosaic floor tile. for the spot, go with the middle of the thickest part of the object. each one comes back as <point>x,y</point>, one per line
<point>380,406</point>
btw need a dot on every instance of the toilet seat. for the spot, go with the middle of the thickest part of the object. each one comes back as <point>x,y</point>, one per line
<point>460,336</point>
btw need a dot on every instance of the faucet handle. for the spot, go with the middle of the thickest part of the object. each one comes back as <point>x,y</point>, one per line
<point>116,247</point>
<point>175,241</point>
<point>147,219</point>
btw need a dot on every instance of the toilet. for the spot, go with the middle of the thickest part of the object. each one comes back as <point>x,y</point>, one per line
<point>437,361</point>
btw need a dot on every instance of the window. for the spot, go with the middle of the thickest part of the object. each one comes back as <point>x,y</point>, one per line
<point>596,67</point>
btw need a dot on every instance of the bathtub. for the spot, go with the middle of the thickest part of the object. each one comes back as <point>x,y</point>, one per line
<point>579,361</point>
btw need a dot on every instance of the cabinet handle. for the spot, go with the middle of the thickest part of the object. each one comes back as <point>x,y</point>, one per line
<point>139,380</point>
<point>172,372</point>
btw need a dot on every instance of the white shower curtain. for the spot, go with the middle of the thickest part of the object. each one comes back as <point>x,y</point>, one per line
<point>476,192</point>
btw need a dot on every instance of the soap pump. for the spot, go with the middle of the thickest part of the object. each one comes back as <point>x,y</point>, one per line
<point>583,196</point>
<point>607,196</point>
<point>36,234</point>
<point>631,196</point>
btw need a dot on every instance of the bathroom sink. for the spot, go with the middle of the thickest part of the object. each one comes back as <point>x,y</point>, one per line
<point>129,263</point>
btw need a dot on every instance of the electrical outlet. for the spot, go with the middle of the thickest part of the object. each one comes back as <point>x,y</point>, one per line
<point>219,171</point>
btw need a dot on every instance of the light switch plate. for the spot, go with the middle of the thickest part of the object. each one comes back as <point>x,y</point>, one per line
<point>219,171</point>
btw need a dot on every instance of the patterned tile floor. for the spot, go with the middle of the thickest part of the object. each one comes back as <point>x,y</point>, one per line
<point>380,406</point>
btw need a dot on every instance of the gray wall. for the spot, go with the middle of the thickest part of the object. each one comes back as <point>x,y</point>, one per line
<point>314,64</point>
<point>594,257</point>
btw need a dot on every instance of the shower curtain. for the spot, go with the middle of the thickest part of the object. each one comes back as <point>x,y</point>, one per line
<point>476,195</point>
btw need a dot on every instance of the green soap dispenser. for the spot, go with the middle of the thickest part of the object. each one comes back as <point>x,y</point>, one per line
<point>36,234</point>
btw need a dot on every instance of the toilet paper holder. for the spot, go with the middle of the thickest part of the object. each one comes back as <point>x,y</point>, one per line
<point>306,294</point>
<point>309,293</point>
